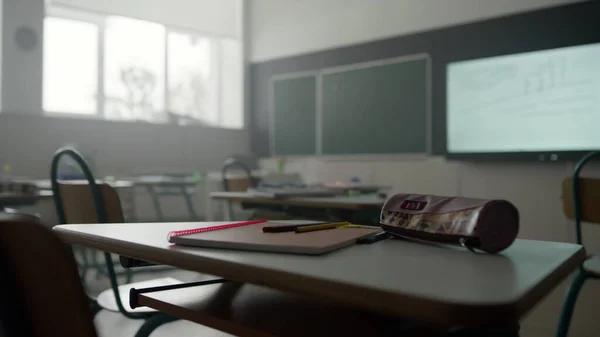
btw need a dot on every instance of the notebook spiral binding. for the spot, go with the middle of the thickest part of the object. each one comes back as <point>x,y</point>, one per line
<point>211,228</point>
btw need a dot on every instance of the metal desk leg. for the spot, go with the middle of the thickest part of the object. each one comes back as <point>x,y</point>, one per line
<point>156,203</point>
<point>208,206</point>
<point>189,203</point>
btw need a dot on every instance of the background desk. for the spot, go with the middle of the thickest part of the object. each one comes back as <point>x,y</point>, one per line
<point>165,185</point>
<point>434,284</point>
<point>361,208</point>
<point>19,199</point>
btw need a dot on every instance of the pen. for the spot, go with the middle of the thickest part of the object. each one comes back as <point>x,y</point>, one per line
<point>306,229</point>
<point>290,228</point>
<point>373,238</point>
<point>361,227</point>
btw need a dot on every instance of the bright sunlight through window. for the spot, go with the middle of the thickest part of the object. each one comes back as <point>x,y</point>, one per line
<point>120,68</point>
<point>191,77</point>
<point>70,66</point>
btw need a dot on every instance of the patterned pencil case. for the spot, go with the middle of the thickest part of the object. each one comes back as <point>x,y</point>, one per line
<point>488,225</point>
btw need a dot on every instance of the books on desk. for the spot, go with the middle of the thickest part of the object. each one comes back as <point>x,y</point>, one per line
<point>346,186</point>
<point>250,236</point>
<point>293,192</point>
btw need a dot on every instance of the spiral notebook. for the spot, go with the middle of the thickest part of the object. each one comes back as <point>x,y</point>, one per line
<point>249,236</point>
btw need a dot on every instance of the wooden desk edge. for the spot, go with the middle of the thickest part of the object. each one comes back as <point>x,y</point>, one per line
<point>402,305</point>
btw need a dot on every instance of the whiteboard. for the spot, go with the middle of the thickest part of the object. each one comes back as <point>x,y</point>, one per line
<point>545,100</point>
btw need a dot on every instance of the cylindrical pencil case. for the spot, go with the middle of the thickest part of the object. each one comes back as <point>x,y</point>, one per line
<point>488,225</point>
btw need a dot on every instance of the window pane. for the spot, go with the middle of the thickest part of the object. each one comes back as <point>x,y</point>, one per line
<point>134,69</point>
<point>192,78</point>
<point>70,82</point>
<point>232,95</point>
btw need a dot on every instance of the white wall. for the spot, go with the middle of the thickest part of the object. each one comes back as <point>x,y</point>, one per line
<point>285,28</point>
<point>290,27</point>
<point>28,138</point>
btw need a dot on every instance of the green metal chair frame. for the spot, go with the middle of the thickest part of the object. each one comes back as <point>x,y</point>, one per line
<point>228,164</point>
<point>582,274</point>
<point>153,320</point>
<point>98,205</point>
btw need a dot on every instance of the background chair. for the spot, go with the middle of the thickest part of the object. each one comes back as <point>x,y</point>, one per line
<point>39,299</point>
<point>581,202</point>
<point>91,202</point>
<point>238,184</point>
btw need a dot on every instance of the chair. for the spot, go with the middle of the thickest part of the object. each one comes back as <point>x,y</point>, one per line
<point>92,202</point>
<point>581,198</point>
<point>32,290</point>
<point>241,184</point>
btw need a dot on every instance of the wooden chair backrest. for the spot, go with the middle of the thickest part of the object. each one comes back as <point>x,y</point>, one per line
<point>41,291</point>
<point>589,196</point>
<point>239,184</point>
<point>78,203</point>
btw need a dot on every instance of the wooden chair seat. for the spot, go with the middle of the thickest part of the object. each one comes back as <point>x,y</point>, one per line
<point>40,291</point>
<point>592,266</point>
<point>107,301</point>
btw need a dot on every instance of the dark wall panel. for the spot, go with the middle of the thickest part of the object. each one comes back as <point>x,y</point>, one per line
<point>543,29</point>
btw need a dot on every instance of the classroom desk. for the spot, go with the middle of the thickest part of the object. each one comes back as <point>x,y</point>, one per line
<point>440,285</point>
<point>347,208</point>
<point>181,185</point>
<point>46,184</point>
<point>213,182</point>
<point>19,199</point>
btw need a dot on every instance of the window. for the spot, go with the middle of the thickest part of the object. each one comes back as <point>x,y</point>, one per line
<point>134,70</point>
<point>121,68</point>
<point>192,77</point>
<point>231,85</point>
<point>70,66</point>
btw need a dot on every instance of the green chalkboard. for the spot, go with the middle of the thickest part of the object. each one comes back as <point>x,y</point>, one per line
<point>294,102</point>
<point>376,108</point>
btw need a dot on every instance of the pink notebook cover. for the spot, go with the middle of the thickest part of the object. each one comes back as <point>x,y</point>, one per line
<point>252,238</point>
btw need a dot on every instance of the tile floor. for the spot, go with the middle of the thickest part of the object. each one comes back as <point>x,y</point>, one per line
<point>113,324</point>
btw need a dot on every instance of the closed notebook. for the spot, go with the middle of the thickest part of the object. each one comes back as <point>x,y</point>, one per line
<point>252,238</point>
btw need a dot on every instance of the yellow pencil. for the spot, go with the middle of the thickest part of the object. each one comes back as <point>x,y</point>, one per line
<point>305,229</point>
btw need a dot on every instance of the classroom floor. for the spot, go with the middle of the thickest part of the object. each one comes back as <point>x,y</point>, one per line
<point>113,324</point>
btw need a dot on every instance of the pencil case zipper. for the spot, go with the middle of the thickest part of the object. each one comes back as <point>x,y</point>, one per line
<point>462,240</point>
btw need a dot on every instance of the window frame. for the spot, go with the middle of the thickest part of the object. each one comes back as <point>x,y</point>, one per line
<point>99,19</point>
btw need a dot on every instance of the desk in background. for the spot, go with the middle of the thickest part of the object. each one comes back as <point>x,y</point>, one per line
<point>359,209</point>
<point>155,185</point>
<point>439,285</point>
<point>20,199</point>
<point>238,181</point>
<point>170,185</point>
